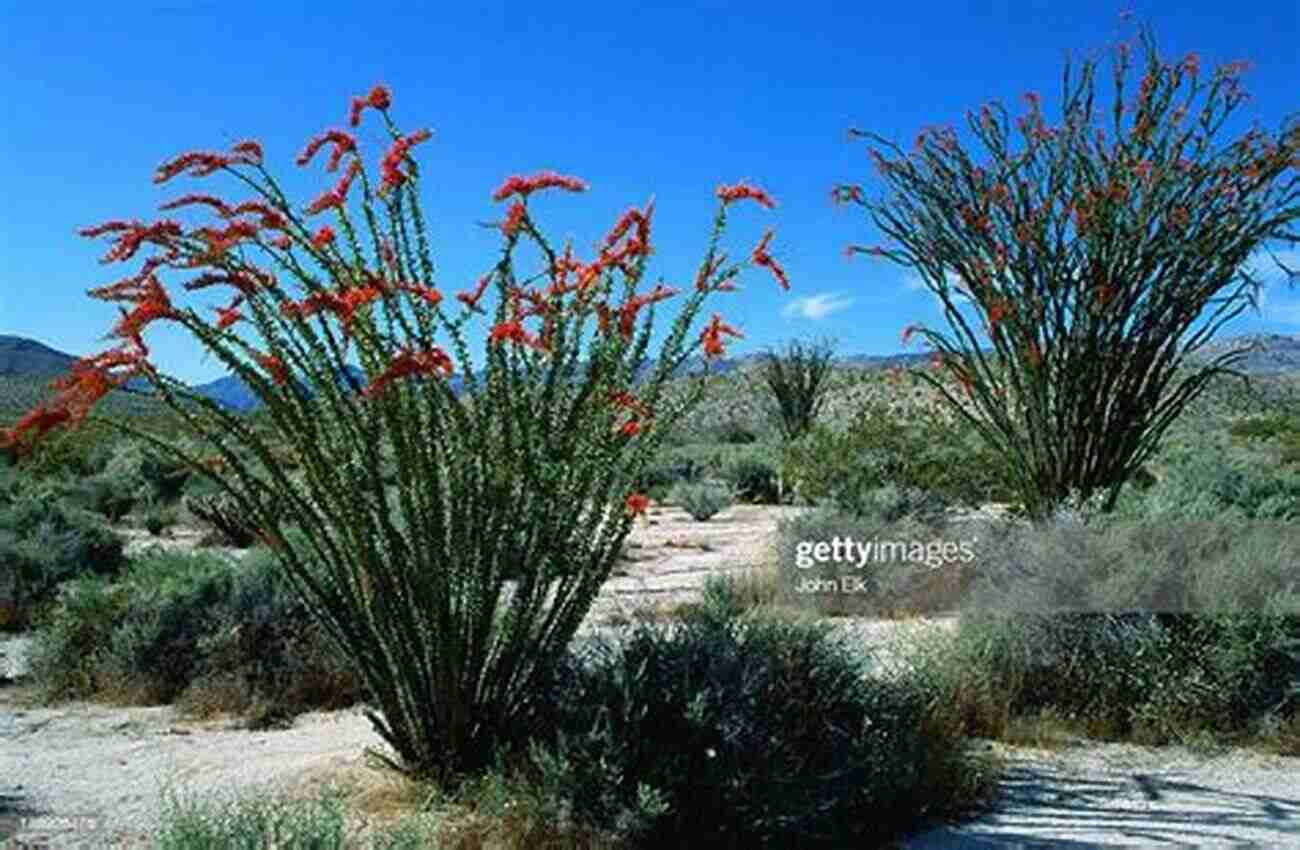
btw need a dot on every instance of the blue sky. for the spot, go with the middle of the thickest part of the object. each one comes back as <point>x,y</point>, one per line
<point>638,100</point>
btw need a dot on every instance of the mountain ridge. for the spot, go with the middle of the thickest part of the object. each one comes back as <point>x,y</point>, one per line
<point>1270,353</point>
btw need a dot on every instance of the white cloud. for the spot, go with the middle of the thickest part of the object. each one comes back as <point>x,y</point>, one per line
<point>816,307</point>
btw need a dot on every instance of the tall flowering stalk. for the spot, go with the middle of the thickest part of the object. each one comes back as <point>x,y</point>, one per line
<point>1087,264</point>
<point>455,591</point>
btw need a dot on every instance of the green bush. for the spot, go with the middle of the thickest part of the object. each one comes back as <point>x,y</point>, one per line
<point>198,629</point>
<point>110,495</point>
<point>667,470</point>
<point>879,448</point>
<point>67,648</point>
<point>755,479</point>
<point>1152,677</point>
<point>744,732</point>
<point>1120,564</point>
<point>158,520</point>
<point>735,432</point>
<point>161,478</point>
<point>1206,479</point>
<point>44,542</point>
<point>1265,427</point>
<point>702,500</point>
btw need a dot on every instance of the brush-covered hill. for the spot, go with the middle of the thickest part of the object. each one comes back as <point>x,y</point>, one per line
<point>27,366</point>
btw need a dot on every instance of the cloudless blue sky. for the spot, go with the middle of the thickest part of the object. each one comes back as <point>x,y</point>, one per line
<point>636,99</point>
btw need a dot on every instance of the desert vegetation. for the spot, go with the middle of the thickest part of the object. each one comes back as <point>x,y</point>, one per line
<point>431,555</point>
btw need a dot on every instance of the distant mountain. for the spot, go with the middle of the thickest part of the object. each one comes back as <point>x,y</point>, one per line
<point>1270,354</point>
<point>27,359</point>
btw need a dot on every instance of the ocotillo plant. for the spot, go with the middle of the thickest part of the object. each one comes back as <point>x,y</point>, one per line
<point>456,594</point>
<point>1088,266</point>
<point>797,381</point>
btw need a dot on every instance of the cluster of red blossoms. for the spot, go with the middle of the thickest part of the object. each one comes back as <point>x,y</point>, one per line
<point>625,247</point>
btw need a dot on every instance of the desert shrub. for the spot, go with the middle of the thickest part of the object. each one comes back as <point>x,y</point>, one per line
<point>265,655</point>
<point>734,432</point>
<point>740,732</point>
<point>76,454</point>
<point>755,479</point>
<point>1206,479</point>
<point>927,453</point>
<point>886,563</point>
<point>67,647</point>
<point>162,477</point>
<point>702,500</point>
<point>158,519</point>
<point>152,652</point>
<point>43,542</point>
<point>669,469</point>
<point>1151,629</point>
<point>108,494</point>
<point>860,497</point>
<point>197,629</point>
<point>1149,564</point>
<point>1153,677</point>
<point>1264,427</point>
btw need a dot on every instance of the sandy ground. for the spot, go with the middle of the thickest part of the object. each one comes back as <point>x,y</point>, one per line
<point>86,775</point>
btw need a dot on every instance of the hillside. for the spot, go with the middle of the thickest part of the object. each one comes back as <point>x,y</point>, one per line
<point>27,366</point>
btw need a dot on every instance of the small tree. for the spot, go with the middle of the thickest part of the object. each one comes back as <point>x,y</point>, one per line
<point>797,381</point>
<point>457,591</point>
<point>1087,266</point>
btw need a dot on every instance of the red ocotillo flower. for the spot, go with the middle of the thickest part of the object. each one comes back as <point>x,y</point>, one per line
<point>342,141</point>
<point>625,400</point>
<point>741,191</point>
<point>514,219</point>
<point>514,332</point>
<point>712,336</point>
<point>408,362</point>
<point>275,367</point>
<point>637,504</point>
<point>337,196</point>
<point>392,175</point>
<point>229,315</point>
<point>625,222</point>
<point>248,151</point>
<point>244,281</point>
<point>627,314</point>
<point>762,258</point>
<point>133,235</point>
<point>425,293</point>
<point>42,419</point>
<point>471,299</point>
<point>524,186</point>
<point>379,98</point>
<point>323,237</point>
<point>207,200</point>
<point>151,304</point>
<point>198,163</point>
